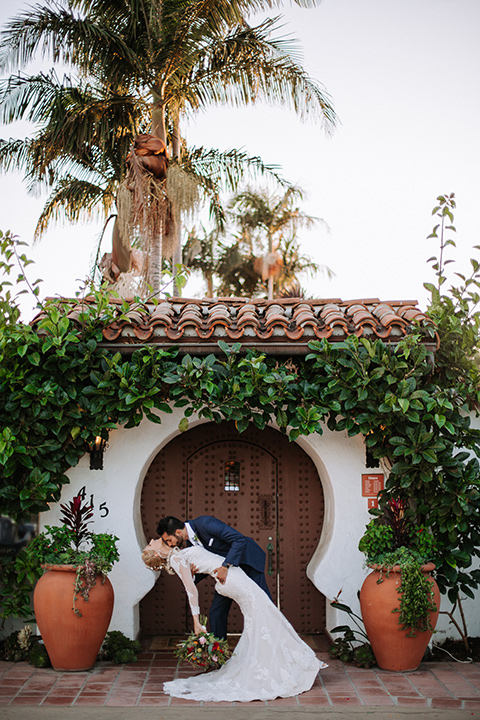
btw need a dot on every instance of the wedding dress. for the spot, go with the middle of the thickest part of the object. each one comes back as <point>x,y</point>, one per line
<point>270,659</point>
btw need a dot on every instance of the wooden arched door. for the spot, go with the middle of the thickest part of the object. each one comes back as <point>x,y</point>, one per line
<point>257,482</point>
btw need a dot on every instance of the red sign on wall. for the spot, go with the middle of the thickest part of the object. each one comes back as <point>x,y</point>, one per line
<point>372,484</point>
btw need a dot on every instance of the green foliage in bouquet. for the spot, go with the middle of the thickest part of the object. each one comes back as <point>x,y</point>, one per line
<point>203,650</point>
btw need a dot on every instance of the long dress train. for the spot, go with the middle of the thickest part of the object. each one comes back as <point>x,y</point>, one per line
<point>270,659</point>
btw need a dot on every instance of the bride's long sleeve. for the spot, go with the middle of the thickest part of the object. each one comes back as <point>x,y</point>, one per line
<point>182,568</point>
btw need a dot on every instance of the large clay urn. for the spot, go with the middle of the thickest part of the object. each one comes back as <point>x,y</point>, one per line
<point>72,642</point>
<point>392,648</point>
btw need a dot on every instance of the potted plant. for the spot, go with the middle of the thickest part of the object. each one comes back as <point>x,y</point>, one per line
<point>399,600</point>
<point>73,598</point>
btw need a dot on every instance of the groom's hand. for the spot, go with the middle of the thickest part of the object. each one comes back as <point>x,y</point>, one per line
<point>221,574</point>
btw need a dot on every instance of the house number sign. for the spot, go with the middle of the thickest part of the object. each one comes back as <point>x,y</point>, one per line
<point>102,508</point>
<point>372,484</point>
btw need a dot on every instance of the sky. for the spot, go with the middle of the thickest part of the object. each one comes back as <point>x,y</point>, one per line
<point>403,78</point>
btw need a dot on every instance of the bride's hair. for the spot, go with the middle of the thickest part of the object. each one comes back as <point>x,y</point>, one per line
<point>157,562</point>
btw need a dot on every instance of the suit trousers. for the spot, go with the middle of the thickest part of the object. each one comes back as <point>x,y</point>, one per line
<point>220,607</point>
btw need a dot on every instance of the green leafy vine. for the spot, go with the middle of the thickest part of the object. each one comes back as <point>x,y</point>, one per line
<point>59,386</point>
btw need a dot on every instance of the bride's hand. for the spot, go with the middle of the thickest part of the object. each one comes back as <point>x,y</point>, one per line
<point>197,627</point>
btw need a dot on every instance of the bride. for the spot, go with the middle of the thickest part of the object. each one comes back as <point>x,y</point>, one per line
<point>270,659</point>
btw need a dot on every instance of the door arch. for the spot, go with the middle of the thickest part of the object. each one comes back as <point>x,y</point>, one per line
<point>256,481</point>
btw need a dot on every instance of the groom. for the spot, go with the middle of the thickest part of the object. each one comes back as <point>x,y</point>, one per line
<point>219,538</point>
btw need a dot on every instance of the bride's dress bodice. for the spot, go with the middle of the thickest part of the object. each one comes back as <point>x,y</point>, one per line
<point>204,560</point>
<point>270,660</point>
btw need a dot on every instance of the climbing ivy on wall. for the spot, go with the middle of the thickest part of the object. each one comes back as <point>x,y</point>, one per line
<point>59,388</point>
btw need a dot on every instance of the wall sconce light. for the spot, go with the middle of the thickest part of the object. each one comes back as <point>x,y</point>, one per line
<point>96,450</point>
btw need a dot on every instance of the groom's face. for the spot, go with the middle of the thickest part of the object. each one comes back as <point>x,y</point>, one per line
<point>176,540</point>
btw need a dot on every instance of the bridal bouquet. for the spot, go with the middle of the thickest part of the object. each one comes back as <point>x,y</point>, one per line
<point>203,650</point>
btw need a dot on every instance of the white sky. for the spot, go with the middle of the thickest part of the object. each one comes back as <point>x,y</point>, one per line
<point>403,75</point>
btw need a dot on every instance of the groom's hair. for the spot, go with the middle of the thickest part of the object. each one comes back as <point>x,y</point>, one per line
<point>169,525</point>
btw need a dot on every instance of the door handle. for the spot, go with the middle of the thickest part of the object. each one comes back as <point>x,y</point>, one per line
<point>270,553</point>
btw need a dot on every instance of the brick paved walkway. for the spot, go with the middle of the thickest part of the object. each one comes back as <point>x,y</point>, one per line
<point>434,685</point>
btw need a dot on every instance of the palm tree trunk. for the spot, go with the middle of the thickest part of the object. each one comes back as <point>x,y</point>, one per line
<point>270,277</point>
<point>154,276</point>
<point>177,229</point>
<point>177,250</point>
<point>158,117</point>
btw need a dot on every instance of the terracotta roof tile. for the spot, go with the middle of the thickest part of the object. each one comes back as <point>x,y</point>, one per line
<point>278,326</point>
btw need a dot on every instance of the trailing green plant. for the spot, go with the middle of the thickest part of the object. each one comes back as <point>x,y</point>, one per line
<point>120,649</point>
<point>59,385</point>
<point>354,646</point>
<point>416,597</point>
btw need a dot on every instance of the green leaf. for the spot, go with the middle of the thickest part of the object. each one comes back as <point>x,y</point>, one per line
<point>183,424</point>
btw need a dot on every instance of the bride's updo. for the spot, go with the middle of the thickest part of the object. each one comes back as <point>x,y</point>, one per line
<point>156,556</point>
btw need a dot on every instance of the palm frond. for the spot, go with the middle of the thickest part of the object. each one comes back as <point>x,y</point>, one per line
<point>249,65</point>
<point>229,168</point>
<point>73,199</point>
<point>61,33</point>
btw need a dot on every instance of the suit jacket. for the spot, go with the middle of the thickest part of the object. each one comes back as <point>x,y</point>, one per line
<point>220,538</point>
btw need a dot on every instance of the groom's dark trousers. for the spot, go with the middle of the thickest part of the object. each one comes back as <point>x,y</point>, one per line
<point>238,550</point>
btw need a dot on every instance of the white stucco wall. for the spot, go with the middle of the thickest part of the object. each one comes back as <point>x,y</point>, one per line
<point>336,564</point>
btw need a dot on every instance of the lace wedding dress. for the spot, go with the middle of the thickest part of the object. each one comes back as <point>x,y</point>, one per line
<point>270,659</point>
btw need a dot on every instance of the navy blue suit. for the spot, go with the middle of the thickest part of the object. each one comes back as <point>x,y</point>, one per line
<point>238,550</point>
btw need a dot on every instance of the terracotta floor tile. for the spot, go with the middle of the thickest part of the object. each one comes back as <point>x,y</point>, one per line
<point>31,693</point>
<point>314,692</point>
<point>13,682</point>
<point>58,700</point>
<point>5,700</point>
<point>320,701</point>
<point>377,700</point>
<point>64,692</point>
<point>98,686</point>
<point>366,683</point>
<point>181,701</point>
<point>26,700</point>
<point>472,704</point>
<point>282,702</point>
<point>406,700</point>
<point>446,702</point>
<point>121,702</point>
<point>94,693</point>
<point>90,700</point>
<point>155,701</point>
<point>345,700</point>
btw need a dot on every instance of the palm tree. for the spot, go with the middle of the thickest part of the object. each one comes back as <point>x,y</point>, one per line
<point>268,227</point>
<point>142,65</point>
<point>265,253</point>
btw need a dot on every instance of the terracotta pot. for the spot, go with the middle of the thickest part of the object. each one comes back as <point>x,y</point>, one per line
<point>392,648</point>
<point>72,642</point>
